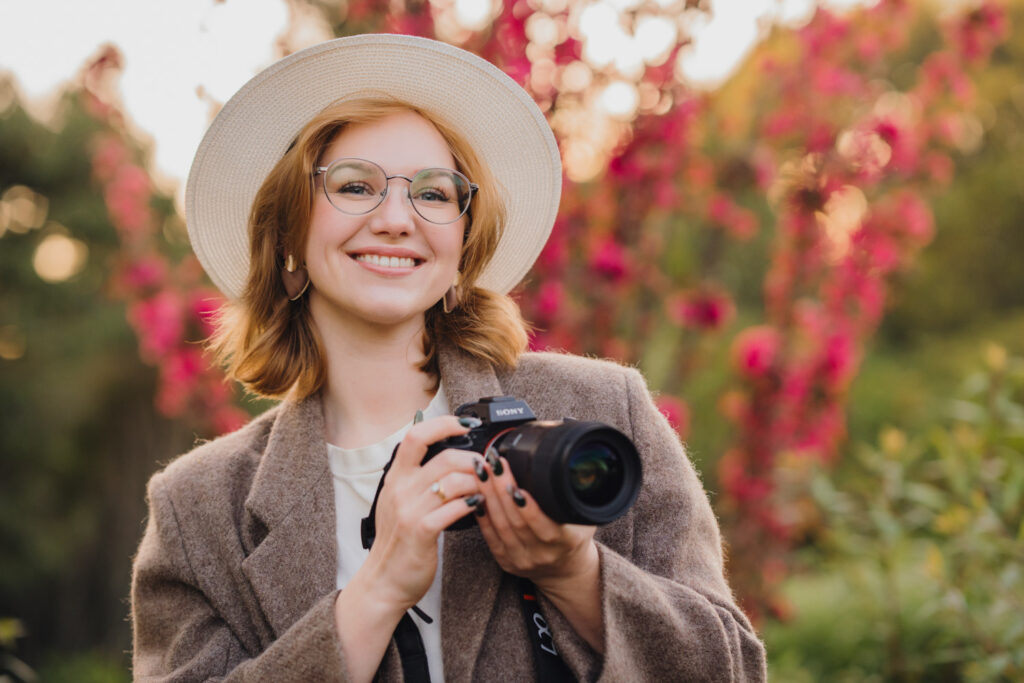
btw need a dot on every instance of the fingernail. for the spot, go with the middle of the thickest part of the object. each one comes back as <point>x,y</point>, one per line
<point>481,510</point>
<point>474,500</point>
<point>495,462</point>
<point>470,421</point>
<point>419,417</point>
<point>481,471</point>
<point>517,496</point>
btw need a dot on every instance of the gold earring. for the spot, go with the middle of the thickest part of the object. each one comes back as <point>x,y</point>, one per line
<point>296,280</point>
<point>451,297</point>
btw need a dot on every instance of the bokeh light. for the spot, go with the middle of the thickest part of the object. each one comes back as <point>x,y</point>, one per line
<point>59,257</point>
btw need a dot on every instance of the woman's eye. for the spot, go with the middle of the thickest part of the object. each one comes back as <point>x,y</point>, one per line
<point>355,189</point>
<point>432,195</point>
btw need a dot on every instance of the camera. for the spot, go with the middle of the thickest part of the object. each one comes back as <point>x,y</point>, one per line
<point>578,472</point>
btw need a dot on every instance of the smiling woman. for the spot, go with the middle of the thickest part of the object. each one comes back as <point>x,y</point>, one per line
<point>367,204</point>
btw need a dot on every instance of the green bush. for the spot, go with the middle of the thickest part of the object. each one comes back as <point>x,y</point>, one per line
<point>920,572</point>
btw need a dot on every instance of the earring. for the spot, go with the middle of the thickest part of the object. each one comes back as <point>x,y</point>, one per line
<point>451,297</point>
<point>295,279</point>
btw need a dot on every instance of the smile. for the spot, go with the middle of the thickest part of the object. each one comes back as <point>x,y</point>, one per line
<point>386,261</point>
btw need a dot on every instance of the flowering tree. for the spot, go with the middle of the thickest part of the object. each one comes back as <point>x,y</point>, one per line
<point>766,218</point>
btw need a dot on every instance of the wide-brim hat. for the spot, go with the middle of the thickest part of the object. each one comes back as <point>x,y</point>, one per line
<point>253,130</point>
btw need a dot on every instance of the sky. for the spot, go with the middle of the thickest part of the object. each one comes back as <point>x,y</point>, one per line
<point>182,58</point>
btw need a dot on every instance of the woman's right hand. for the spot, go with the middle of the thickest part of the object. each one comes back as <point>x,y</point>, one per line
<point>416,504</point>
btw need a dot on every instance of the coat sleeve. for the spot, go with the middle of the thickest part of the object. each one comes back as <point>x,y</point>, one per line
<point>668,612</point>
<point>179,636</point>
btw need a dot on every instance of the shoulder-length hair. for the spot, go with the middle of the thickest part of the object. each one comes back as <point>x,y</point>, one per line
<point>270,344</point>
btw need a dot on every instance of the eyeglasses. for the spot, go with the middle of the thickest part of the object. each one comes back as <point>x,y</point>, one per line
<point>357,187</point>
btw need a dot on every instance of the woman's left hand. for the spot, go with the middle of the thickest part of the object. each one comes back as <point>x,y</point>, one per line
<point>561,559</point>
<point>526,542</point>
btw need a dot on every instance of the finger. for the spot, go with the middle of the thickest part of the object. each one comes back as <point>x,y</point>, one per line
<point>449,487</point>
<point>540,525</point>
<point>440,519</point>
<point>498,509</point>
<point>450,460</point>
<point>421,436</point>
<point>494,541</point>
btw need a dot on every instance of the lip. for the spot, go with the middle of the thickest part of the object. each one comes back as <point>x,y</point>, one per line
<point>396,252</point>
<point>400,252</point>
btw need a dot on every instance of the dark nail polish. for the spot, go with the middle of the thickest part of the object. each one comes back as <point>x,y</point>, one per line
<point>495,462</point>
<point>517,496</point>
<point>470,421</point>
<point>481,471</point>
<point>474,500</point>
<point>418,418</point>
<point>481,510</point>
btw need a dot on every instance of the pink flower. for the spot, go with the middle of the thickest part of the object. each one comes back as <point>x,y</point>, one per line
<point>706,309</point>
<point>145,273</point>
<point>549,299</point>
<point>915,218</point>
<point>739,222</point>
<point>608,258</point>
<point>180,372</point>
<point>838,362</point>
<point>978,32</point>
<point>159,323</point>
<point>108,156</point>
<point>755,350</point>
<point>127,199</point>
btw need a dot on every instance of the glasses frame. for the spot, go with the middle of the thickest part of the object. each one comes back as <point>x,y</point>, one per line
<point>322,170</point>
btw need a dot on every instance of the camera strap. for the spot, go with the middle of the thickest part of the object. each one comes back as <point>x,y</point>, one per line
<point>548,664</point>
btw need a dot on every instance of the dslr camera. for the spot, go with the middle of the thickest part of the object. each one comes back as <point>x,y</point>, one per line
<point>578,472</point>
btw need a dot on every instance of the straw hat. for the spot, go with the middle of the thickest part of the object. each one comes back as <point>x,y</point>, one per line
<point>251,133</point>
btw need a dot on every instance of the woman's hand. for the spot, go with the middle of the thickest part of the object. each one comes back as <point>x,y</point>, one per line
<point>416,504</point>
<point>525,541</point>
<point>561,559</point>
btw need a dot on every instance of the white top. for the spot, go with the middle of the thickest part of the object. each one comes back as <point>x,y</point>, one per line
<point>356,473</point>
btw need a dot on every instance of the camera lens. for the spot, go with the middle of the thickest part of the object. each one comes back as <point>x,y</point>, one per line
<point>595,473</point>
<point>579,472</point>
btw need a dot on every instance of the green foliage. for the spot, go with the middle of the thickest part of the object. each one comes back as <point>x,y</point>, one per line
<point>921,570</point>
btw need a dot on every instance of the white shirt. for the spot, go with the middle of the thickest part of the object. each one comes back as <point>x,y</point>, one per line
<point>356,473</point>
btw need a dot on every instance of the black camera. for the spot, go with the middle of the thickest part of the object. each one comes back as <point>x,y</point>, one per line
<point>578,472</point>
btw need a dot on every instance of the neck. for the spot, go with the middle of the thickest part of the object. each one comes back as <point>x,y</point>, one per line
<point>374,384</point>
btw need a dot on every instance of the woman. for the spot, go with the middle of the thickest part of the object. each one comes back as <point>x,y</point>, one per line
<point>365,204</point>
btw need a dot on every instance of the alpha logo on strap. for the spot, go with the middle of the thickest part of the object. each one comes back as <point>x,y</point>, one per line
<point>547,643</point>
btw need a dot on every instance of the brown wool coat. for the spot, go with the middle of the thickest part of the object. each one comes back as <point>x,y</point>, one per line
<point>235,576</point>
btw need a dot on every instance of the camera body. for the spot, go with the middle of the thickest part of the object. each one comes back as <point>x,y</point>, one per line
<point>578,472</point>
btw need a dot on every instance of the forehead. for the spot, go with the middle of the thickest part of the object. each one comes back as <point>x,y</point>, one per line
<point>403,142</point>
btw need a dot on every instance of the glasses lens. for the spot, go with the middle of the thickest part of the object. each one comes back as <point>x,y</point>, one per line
<point>355,186</point>
<point>440,195</point>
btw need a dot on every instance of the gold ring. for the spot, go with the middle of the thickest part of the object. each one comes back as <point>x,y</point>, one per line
<point>439,490</point>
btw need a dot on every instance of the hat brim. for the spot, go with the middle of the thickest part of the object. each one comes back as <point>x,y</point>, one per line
<point>498,119</point>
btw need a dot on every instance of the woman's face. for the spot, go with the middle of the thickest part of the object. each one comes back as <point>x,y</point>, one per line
<point>351,281</point>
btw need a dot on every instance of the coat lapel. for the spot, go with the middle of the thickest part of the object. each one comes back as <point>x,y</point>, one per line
<point>470,580</point>
<point>292,496</point>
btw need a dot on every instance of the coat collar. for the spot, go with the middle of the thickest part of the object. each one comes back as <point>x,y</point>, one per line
<point>292,496</point>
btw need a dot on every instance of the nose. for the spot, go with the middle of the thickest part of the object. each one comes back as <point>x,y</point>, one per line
<point>395,214</point>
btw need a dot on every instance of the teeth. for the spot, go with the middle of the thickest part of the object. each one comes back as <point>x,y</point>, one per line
<point>386,261</point>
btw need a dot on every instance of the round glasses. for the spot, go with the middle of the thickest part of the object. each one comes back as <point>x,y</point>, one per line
<point>357,187</point>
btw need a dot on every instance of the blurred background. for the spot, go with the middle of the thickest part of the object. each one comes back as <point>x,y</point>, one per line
<point>802,221</point>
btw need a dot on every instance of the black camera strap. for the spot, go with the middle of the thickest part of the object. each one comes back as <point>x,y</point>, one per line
<point>547,663</point>
<point>411,651</point>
